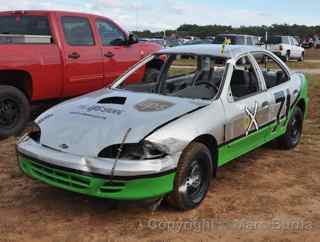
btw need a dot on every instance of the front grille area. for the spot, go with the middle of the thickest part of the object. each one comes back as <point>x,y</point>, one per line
<point>60,177</point>
<point>70,180</point>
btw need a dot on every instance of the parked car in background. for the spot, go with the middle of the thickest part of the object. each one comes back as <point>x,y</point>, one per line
<point>199,42</point>
<point>167,137</point>
<point>285,47</point>
<point>159,41</point>
<point>49,55</point>
<point>237,39</point>
<point>308,42</point>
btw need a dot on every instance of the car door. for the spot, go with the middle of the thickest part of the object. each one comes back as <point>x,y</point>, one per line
<point>247,109</point>
<point>82,55</point>
<point>283,93</point>
<point>118,55</point>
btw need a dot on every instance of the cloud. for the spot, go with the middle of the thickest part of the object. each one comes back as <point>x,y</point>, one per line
<point>164,14</point>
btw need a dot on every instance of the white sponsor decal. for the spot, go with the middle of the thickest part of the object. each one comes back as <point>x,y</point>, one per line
<point>252,116</point>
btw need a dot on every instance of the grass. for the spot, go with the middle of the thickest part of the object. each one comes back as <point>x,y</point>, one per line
<point>303,65</point>
<point>314,94</point>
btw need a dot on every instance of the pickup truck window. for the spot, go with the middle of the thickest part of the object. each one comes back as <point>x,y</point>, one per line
<point>286,40</point>
<point>77,31</point>
<point>24,25</point>
<point>109,33</point>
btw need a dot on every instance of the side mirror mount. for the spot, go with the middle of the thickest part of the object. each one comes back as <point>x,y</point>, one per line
<point>132,39</point>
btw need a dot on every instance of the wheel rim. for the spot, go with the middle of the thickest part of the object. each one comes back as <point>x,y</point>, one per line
<point>9,112</point>
<point>296,128</point>
<point>196,181</point>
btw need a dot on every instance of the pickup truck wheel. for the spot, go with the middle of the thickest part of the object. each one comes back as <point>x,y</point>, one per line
<point>294,131</point>
<point>301,59</point>
<point>192,179</point>
<point>151,75</point>
<point>286,58</point>
<point>14,111</point>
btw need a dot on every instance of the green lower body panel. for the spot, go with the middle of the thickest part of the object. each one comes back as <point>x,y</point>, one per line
<point>246,144</point>
<point>143,188</point>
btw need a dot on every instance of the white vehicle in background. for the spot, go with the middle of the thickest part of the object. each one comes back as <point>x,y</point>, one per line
<point>285,47</point>
<point>316,42</point>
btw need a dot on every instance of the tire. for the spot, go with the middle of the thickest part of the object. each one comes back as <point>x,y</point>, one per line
<point>293,134</point>
<point>196,163</point>
<point>301,59</point>
<point>14,111</point>
<point>151,75</point>
<point>286,58</point>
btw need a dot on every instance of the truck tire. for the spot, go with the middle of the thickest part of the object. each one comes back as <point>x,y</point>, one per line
<point>286,58</point>
<point>293,134</point>
<point>301,59</point>
<point>14,111</point>
<point>193,177</point>
<point>151,75</point>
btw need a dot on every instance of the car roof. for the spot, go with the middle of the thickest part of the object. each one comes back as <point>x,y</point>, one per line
<point>230,51</point>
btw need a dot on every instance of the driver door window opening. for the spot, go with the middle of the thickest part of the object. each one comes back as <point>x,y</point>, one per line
<point>244,81</point>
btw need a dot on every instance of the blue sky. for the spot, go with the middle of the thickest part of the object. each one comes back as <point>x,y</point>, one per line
<point>161,14</point>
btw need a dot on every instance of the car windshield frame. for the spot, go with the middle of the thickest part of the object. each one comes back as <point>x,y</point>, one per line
<point>116,85</point>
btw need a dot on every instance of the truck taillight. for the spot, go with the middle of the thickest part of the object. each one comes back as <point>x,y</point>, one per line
<point>281,48</point>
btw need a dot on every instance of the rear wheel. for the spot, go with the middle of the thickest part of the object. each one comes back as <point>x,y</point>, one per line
<point>193,177</point>
<point>286,58</point>
<point>14,111</point>
<point>301,59</point>
<point>293,134</point>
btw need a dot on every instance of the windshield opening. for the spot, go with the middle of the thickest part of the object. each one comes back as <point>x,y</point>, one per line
<point>177,75</point>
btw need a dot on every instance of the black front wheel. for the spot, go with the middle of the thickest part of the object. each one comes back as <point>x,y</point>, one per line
<point>14,111</point>
<point>293,134</point>
<point>193,177</point>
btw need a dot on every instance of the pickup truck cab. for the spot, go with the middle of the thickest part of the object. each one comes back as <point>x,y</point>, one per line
<point>53,55</point>
<point>286,47</point>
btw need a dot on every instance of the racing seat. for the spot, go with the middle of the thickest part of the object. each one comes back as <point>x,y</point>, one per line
<point>240,83</point>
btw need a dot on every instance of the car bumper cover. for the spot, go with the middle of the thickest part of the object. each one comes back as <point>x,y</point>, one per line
<point>98,186</point>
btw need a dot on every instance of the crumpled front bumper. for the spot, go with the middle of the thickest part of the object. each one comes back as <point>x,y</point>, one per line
<point>92,176</point>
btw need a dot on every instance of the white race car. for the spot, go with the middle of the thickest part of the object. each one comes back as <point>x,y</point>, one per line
<point>166,135</point>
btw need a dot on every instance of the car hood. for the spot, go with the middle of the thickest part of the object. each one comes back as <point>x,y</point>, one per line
<point>86,125</point>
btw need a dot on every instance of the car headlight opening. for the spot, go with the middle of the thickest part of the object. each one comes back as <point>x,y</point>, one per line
<point>32,132</point>
<point>142,151</point>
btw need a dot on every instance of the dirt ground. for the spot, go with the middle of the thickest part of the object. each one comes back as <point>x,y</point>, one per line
<point>267,195</point>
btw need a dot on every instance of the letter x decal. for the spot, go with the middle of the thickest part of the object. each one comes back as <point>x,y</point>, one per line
<point>252,116</point>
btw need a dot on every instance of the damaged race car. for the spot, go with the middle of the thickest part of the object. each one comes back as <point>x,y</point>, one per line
<point>167,134</point>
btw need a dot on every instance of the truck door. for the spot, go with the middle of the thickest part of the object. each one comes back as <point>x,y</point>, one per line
<point>118,55</point>
<point>82,55</point>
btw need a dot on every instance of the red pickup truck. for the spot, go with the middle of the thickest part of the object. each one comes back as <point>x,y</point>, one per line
<point>49,55</point>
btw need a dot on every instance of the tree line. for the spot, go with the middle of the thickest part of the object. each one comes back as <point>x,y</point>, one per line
<point>213,30</point>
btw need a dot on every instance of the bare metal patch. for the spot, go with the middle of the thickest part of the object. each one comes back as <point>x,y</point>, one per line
<point>153,105</point>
